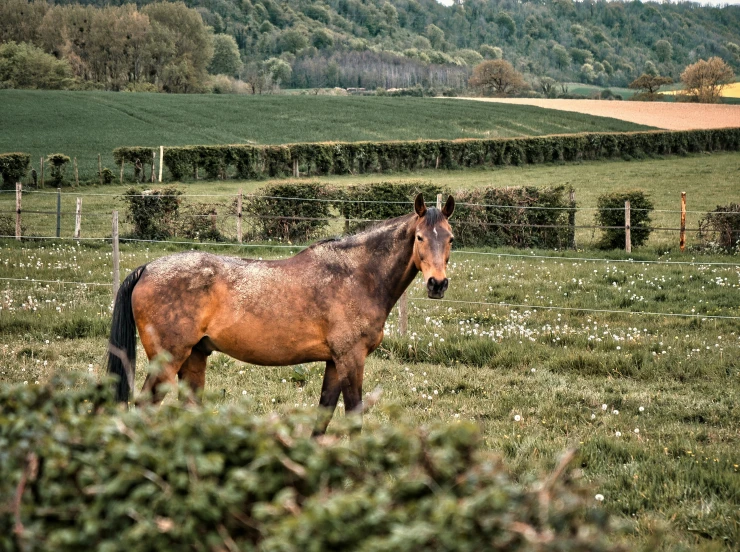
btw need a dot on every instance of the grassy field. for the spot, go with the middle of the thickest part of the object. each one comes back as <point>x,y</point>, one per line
<point>705,178</point>
<point>83,124</point>
<point>650,401</point>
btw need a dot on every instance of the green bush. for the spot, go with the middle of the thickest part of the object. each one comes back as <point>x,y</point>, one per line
<point>319,159</point>
<point>13,168</point>
<point>90,477</point>
<point>721,227</point>
<point>200,222</point>
<point>360,205</point>
<point>289,212</point>
<point>611,214</point>
<point>514,217</point>
<point>58,165</point>
<point>153,213</point>
<point>107,176</point>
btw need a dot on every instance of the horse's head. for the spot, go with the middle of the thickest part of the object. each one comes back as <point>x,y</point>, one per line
<point>432,245</point>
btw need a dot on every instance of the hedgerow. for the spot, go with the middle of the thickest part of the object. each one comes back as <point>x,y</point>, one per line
<point>13,168</point>
<point>153,213</point>
<point>611,214</point>
<point>289,212</point>
<point>721,228</point>
<point>79,474</point>
<point>362,204</point>
<point>326,158</point>
<point>515,217</point>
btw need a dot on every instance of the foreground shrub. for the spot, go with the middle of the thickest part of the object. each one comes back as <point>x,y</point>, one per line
<point>721,228</point>
<point>13,168</point>
<point>153,213</point>
<point>610,214</point>
<point>90,477</point>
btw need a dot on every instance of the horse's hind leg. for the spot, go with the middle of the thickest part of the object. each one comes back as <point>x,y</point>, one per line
<point>176,356</point>
<point>193,372</point>
<point>329,397</point>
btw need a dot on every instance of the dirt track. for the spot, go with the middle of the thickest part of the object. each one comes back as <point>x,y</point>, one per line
<point>670,116</point>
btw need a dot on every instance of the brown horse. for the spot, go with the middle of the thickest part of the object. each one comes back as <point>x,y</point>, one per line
<point>327,303</point>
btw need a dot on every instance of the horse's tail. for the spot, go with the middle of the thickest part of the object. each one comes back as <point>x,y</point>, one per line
<point>122,343</point>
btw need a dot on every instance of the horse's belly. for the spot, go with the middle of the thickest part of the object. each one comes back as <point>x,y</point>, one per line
<point>272,344</point>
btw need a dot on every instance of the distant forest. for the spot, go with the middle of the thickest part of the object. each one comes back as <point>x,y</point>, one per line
<point>143,45</point>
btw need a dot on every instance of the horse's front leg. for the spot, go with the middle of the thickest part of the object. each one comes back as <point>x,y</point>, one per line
<point>329,397</point>
<point>351,369</point>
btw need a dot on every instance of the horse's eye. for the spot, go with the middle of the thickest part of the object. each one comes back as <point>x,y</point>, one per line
<point>419,238</point>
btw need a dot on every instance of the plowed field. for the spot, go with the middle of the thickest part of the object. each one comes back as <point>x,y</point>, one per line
<point>670,116</point>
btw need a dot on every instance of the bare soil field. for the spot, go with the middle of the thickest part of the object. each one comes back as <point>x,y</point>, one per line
<point>670,116</point>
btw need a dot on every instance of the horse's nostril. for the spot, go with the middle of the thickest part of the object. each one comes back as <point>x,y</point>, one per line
<point>432,283</point>
<point>445,283</point>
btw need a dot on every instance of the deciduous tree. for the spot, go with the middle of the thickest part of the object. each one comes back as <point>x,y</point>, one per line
<point>705,79</point>
<point>649,83</point>
<point>226,60</point>
<point>497,77</point>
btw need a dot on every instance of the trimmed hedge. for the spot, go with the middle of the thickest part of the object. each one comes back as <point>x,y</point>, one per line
<point>90,477</point>
<point>319,159</point>
<point>13,168</point>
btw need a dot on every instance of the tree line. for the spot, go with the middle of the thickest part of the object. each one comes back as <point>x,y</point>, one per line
<point>360,43</point>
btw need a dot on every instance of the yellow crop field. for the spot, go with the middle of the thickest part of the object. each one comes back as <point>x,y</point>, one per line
<point>729,91</point>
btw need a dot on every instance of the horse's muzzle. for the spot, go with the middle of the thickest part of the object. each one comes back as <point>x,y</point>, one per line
<point>436,288</point>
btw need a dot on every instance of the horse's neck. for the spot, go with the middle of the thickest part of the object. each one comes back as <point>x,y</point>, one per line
<point>389,259</point>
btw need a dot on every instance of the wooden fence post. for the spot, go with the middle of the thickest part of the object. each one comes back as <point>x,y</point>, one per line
<point>161,160</point>
<point>59,212</point>
<point>572,220</point>
<point>18,195</point>
<point>42,171</point>
<point>120,177</point>
<point>403,313</point>
<point>78,218</point>
<point>77,174</point>
<point>116,256</point>
<point>154,159</point>
<point>627,229</point>
<point>239,216</point>
<point>100,170</point>
<point>296,173</point>
<point>439,201</point>
<point>682,237</point>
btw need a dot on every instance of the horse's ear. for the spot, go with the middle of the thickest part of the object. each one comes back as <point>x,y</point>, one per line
<point>449,207</point>
<point>419,205</point>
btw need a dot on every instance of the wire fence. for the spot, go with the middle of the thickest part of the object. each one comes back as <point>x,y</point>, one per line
<point>224,222</point>
<point>367,201</point>
<point>502,304</point>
